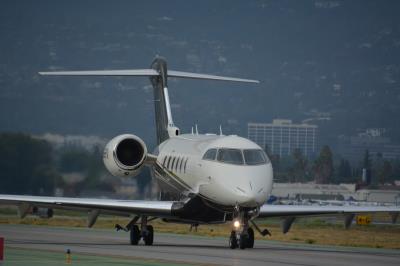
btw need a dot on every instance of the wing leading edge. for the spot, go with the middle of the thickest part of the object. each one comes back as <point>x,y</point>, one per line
<point>301,210</point>
<point>139,207</point>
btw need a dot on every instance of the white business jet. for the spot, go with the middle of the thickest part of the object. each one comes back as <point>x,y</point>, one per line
<point>203,179</point>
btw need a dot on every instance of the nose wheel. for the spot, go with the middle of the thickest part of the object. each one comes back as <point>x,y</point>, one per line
<point>250,239</point>
<point>242,240</point>
<point>233,240</point>
<point>242,235</point>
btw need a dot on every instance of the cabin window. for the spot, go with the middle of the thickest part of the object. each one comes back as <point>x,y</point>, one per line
<point>254,157</point>
<point>176,165</point>
<point>210,154</point>
<point>169,160</point>
<point>231,156</point>
<point>172,165</point>
<point>184,168</point>
<point>180,165</point>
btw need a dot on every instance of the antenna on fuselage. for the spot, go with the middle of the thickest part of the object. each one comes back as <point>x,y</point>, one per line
<point>197,131</point>
<point>192,130</point>
<point>220,130</point>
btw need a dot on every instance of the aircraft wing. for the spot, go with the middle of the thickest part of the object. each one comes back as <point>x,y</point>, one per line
<point>290,212</point>
<point>312,210</point>
<point>106,206</point>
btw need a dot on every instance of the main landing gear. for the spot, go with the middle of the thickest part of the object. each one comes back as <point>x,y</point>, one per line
<point>136,234</point>
<point>146,232</point>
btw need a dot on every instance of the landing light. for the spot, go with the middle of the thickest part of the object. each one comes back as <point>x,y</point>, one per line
<point>236,224</point>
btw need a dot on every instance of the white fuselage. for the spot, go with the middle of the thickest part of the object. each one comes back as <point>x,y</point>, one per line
<point>182,169</point>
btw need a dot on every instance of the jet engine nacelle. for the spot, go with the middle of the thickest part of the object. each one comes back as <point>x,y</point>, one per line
<point>124,155</point>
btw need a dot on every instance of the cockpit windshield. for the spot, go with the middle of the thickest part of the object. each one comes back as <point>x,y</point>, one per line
<point>232,156</point>
<point>253,157</point>
<point>210,154</point>
<point>236,156</point>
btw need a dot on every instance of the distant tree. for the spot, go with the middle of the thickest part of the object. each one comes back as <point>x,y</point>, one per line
<point>385,172</point>
<point>95,169</point>
<point>300,166</point>
<point>367,165</point>
<point>377,168</point>
<point>285,171</point>
<point>267,150</point>
<point>344,172</point>
<point>44,180</point>
<point>395,173</point>
<point>143,180</point>
<point>87,163</point>
<point>74,160</point>
<point>323,166</point>
<point>367,162</point>
<point>275,161</point>
<point>26,165</point>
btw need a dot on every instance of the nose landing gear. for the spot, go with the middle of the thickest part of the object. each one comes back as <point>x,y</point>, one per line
<point>242,240</point>
<point>242,235</point>
<point>233,243</point>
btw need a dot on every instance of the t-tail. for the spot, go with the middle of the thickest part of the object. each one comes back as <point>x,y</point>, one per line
<point>158,74</point>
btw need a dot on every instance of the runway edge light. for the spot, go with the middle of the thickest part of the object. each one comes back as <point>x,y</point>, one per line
<point>68,258</point>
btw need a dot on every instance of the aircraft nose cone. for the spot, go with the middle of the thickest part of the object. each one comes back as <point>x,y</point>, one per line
<point>247,198</point>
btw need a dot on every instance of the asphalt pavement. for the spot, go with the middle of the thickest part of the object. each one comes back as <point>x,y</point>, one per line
<point>175,249</point>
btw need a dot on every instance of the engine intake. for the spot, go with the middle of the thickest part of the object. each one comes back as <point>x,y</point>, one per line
<point>124,155</point>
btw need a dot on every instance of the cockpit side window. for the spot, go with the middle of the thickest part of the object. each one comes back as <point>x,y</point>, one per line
<point>254,157</point>
<point>232,156</point>
<point>210,154</point>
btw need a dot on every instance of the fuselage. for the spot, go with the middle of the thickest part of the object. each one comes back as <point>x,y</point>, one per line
<point>226,170</point>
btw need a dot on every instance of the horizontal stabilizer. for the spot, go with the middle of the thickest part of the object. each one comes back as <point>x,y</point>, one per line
<point>144,72</point>
<point>180,74</point>
<point>128,72</point>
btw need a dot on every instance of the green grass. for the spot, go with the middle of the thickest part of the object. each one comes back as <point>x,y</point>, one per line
<point>24,257</point>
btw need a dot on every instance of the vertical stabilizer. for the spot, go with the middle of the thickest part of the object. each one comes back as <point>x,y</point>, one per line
<point>163,116</point>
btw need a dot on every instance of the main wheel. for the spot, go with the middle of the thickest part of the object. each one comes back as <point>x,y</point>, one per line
<point>243,241</point>
<point>149,237</point>
<point>250,239</point>
<point>233,240</point>
<point>134,235</point>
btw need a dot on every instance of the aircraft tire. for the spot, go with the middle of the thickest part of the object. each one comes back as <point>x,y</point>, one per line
<point>134,235</point>
<point>250,239</point>
<point>243,241</point>
<point>233,240</point>
<point>149,238</point>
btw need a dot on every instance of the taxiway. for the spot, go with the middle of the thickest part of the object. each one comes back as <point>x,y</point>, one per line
<point>188,248</point>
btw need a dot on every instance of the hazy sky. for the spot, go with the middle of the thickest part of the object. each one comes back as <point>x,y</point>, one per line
<point>336,60</point>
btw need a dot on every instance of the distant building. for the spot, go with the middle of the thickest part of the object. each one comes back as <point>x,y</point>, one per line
<point>314,191</point>
<point>311,191</point>
<point>353,148</point>
<point>282,137</point>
